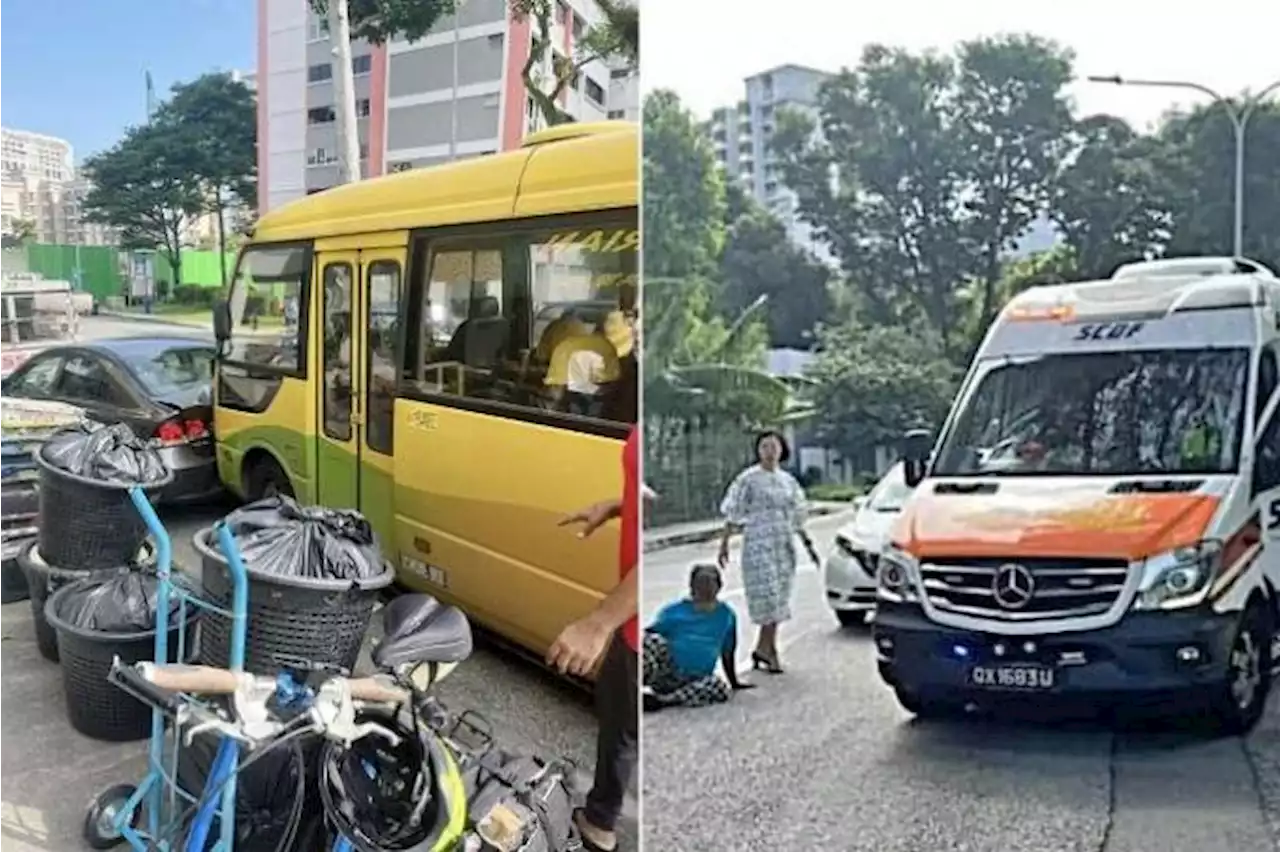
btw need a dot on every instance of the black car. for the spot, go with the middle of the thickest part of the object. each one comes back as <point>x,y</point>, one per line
<point>159,386</point>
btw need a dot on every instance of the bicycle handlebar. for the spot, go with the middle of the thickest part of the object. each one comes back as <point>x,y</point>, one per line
<point>209,680</point>
<point>194,680</point>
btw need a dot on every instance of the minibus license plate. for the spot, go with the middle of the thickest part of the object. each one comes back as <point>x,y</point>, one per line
<point>1035,678</point>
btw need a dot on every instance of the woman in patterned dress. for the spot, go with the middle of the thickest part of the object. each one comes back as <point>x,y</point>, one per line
<point>768,505</point>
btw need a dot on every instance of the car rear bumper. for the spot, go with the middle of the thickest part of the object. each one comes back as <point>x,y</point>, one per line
<point>195,476</point>
<point>1145,653</point>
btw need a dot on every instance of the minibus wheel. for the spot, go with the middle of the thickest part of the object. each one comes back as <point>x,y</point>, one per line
<point>266,479</point>
<point>1242,696</point>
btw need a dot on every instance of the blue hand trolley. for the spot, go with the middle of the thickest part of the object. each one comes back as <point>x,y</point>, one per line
<point>171,812</point>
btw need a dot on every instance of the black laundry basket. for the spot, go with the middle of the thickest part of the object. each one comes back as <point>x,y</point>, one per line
<point>44,579</point>
<point>86,524</point>
<point>289,618</point>
<point>13,580</point>
<point>96,707</point>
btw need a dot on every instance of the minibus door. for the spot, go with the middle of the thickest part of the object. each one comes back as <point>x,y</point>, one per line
<point>338,416</point>
<point>381,303</point>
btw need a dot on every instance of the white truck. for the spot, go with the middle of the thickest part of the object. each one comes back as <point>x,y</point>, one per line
<point>1125,541</point>
<point>35,314</point>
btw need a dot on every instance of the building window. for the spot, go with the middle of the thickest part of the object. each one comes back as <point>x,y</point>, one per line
<point>320,115</point>
<point>362,64</point>
<point>579,28</point>
<point>317,28</point>
<point>321,157</point>
<point>617,113</point>
<point>623,73</point>
<point>362,108</point>
<point>320,73</point>
<point>594,91</point>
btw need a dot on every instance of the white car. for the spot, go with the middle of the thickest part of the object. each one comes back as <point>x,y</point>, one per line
<point>850,569</point>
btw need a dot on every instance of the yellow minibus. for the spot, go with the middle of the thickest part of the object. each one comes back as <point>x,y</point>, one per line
<point>450,351</point>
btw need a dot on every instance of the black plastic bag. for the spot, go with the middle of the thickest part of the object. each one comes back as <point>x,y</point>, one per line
<point>105,453</point>
<point>123,603</point>
<point>277,536</point>
<point>266,794</point>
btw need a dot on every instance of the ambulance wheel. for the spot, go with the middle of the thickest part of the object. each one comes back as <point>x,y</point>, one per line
<point>1242,696</point>
<point>926,708</point>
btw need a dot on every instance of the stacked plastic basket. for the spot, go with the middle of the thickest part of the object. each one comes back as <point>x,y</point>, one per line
<point>24,426</point>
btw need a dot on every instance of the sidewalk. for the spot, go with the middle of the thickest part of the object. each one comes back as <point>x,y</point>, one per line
<point>186,319</point>
<point>695,532</point>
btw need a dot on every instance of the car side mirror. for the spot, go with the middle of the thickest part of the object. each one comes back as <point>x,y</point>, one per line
<point>222,321</point>
<point>859,503</point>
<point>916,445</point>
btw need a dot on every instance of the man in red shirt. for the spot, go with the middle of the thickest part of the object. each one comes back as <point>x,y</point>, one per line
<point>610,631</point>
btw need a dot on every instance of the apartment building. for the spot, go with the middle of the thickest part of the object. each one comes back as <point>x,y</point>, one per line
<point>457,92</point>
<point>741,135</point>
<point>39,185</point>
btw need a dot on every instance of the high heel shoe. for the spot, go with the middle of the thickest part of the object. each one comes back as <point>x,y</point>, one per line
<point>760,661</point>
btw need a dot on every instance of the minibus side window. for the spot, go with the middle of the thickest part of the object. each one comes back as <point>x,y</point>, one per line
<point>538,321</point>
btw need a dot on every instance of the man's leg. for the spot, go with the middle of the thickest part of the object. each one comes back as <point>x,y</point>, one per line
<point>618,719</point>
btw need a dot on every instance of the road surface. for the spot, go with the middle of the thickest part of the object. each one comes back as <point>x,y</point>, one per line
<point>822,758</point>
<point>50,772</point>
<point>98,327</point>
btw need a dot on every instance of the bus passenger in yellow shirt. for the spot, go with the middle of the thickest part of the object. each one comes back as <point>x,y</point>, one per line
<point>582,368</point>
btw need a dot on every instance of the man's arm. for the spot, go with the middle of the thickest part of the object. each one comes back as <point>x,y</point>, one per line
<point>620,604</point>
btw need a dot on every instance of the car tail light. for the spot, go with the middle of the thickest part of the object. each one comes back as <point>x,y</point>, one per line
<point>170,432</point>
<point>176,431</point>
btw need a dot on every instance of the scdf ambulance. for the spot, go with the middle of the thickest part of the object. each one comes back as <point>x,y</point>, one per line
<point>1100,515</point>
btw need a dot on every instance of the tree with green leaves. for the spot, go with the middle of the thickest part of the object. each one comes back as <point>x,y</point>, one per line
<point>21,232</point>
<point>1201,146</point>
<point>215,118</point>
<point>873,382</point>
<point>940,163</point>
<point>695,357</point>
<point>1113,202</point>
<point>760,260</point>
<point>616,38</point>
<point>684,193</point>
<point>379,21</point>
<point>146,188</point>
<point>1012,120</point>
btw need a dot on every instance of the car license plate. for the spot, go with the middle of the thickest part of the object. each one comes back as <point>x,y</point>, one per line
<point>1035,678</point>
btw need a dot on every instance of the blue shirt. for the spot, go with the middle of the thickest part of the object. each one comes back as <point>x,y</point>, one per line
<point>696,637</point>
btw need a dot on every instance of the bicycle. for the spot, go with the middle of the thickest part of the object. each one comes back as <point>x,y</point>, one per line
<point>424,642</point>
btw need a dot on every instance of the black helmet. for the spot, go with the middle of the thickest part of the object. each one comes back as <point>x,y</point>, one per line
<point>380,796</point>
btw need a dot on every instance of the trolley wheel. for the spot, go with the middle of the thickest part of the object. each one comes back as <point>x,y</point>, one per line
<point>100,821</point>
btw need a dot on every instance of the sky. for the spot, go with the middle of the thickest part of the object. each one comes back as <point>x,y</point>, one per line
<point>76,69</point>
<point>704,48</point>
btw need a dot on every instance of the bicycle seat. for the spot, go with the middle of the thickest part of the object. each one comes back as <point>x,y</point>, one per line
<point>419,629</point>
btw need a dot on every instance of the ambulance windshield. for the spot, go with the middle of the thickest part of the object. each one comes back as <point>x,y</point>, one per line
<point>1167,411</point>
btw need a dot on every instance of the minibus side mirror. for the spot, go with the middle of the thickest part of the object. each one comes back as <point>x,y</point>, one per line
<point>221,321</point>
<point>916,446</point>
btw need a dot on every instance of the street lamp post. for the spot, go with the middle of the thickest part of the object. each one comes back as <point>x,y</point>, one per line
<point>1239,123</point>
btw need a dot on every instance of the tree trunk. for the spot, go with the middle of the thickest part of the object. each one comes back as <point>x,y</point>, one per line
<point>222,240</point>
<point>344,85</point>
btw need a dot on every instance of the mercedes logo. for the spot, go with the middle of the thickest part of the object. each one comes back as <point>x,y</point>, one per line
<point>1013,586</point>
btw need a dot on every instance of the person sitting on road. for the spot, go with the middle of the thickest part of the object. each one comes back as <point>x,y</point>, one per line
<point>682,645</point>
